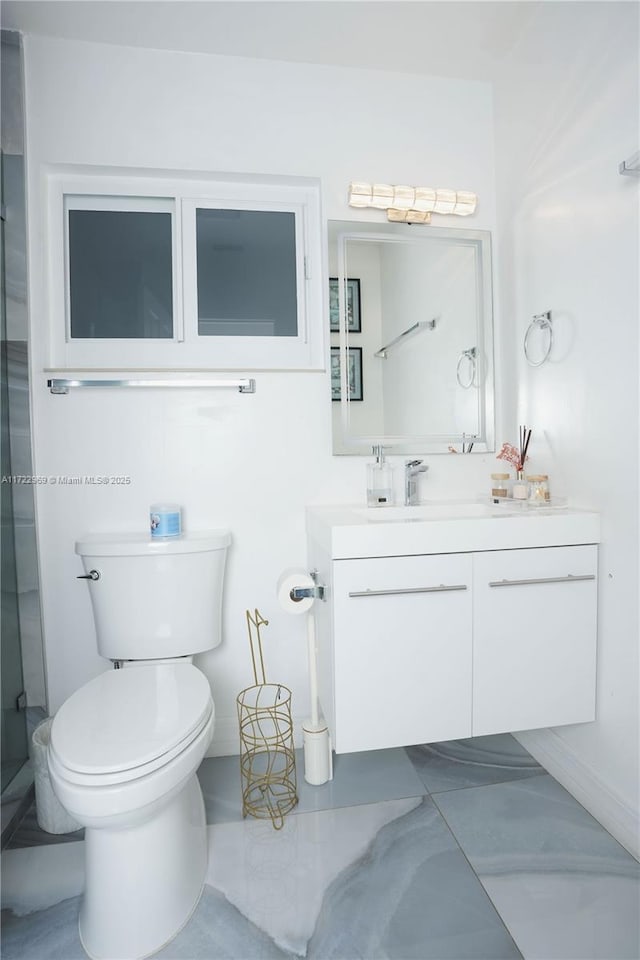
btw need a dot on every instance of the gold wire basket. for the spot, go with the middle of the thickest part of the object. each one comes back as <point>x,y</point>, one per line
<point>267,756</point>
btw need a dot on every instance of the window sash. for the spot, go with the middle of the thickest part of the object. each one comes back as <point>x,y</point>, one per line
<point>123,204</point>
<point>190,270</point>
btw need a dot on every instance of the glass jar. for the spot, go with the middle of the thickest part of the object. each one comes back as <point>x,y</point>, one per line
<point>499,486</point>
<point>520,488</point>
<point>538,489</point>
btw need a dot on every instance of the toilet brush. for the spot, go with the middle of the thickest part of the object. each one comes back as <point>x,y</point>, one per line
<point>318,765</point>
<point>297,592</point>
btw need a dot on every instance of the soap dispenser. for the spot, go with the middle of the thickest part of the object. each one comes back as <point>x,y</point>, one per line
<point>379,480</point>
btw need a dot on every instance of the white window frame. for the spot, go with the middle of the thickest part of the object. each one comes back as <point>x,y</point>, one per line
<point>182,195</point>
<point>230,350</point>
<point>127,205</point>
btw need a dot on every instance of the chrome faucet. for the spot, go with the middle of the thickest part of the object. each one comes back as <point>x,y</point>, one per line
<point>412,470</point>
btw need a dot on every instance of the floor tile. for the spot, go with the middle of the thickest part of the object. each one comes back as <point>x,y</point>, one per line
<point>34,878</point>
<point>412,896</point>
<point>278,878</point>
<point>563,886</point>
<point>216,931</point>
<point>472,762</point>
<point>359,778</point>
<point>50,934</point>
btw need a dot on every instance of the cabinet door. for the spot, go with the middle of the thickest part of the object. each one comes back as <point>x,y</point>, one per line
<point>534,656</point>
<point>402,651</point>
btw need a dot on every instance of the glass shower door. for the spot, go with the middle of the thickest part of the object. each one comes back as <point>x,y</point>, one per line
<point>14,743</point>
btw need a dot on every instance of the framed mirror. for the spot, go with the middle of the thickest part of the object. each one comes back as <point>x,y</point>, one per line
<point>412,355</point>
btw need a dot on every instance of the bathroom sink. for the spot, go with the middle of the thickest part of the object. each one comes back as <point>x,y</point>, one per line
<point>348,531</point>
<point>427,511</point>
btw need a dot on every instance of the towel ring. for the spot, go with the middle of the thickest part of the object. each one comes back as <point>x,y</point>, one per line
<point>541,321</point>
<point>470,356</point>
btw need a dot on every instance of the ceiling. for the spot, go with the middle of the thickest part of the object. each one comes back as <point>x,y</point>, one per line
<point>470,39</point>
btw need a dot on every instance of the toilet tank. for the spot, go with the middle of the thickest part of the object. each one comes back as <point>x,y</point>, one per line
<point>155,598</point>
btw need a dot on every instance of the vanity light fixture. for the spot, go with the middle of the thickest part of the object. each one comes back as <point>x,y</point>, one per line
<point>411,204</point>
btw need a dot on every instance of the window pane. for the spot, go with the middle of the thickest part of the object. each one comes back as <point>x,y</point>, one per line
<point>120,278</point>
<point>246,273</point>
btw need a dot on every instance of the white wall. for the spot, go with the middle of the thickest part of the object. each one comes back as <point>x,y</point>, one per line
<point>251,463</point>
<point>566,116</point>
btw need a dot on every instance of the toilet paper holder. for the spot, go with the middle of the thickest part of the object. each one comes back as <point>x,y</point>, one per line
<point>316,592</point>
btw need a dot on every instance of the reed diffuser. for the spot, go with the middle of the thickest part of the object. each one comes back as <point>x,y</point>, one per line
<point>517,456</point>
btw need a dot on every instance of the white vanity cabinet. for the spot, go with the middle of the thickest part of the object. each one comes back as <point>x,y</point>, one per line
<point>534,638</point>
<point>401,650</point>
<point>437,630</point>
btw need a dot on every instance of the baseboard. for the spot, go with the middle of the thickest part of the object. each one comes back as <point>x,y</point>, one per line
<point>226,737</point>
<point>583,783</point>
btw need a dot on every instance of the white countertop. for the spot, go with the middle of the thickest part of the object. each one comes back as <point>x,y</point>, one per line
<point>347,531</point>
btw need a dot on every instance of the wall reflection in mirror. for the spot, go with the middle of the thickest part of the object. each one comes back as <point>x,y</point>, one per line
<point>417,338</point>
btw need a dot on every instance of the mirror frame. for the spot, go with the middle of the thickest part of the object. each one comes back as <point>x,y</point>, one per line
<point>349,444</point>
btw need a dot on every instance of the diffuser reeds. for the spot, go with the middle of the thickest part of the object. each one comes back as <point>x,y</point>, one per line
<point>516,456</point>
<point>525,437</point>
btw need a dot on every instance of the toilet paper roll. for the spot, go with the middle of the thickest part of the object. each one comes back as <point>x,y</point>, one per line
<point>288,580</point>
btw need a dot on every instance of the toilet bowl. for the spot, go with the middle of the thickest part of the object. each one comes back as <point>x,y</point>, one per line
<point>123,758</point>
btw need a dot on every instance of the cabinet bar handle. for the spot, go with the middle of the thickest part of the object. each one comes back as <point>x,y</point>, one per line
<point>570,578</point>
<point>392,593</point>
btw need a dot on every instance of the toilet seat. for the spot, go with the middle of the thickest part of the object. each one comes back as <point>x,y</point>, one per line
<point>125,724</point>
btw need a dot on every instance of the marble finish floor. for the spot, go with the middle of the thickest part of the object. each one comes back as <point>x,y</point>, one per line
<point>467,849</point>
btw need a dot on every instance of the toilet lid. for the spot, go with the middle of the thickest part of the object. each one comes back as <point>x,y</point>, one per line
<point>126,718</point>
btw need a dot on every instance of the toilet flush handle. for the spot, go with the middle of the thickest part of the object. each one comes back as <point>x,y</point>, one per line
<point>92,575</point>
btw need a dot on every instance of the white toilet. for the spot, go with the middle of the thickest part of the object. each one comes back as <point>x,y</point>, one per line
<point>125,747</point>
